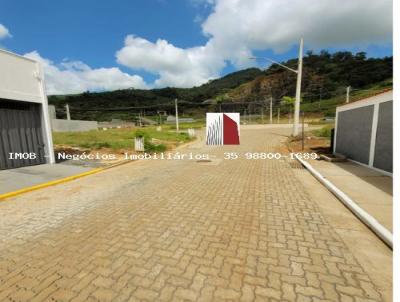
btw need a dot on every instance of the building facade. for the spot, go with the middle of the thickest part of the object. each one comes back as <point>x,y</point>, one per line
<point>25,133</point>
<point>364,131</point>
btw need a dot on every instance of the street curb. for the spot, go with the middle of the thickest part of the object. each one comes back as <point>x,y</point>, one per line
<point>385,235</point>
<point>184,145</point>
<point>69,178</point>
<point>61,180</point>
<point>48,184</point>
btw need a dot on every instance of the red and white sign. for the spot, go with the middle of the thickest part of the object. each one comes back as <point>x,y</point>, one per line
<point>223,129</point>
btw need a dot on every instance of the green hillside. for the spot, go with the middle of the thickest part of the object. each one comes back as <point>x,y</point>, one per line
<point>327,107</point>
<point>325,78</point>
<point>114,104</point>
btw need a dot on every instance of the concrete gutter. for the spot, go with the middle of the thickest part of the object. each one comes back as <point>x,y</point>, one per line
<point>76,176</point>
<point>59,181</point>
<point>48,184</point>
<point>385,235</point>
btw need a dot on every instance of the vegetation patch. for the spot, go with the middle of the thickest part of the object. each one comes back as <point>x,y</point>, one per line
<point>121,139</point>
<point>324,131</point>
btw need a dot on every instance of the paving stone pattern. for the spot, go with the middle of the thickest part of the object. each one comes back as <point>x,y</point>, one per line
<point>235,230</point>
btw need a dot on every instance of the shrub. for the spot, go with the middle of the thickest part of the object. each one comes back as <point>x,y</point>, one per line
<point>323,132</point>
<point>150,147</point>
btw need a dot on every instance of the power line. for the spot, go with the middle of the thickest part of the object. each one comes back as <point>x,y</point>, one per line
<point>122,108</point>
<point>330,93</point>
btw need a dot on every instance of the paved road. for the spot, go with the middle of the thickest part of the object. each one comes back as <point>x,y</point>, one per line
<point>178,231</point>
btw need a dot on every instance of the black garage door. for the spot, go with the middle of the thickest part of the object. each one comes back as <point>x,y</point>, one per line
<point>20,134</point>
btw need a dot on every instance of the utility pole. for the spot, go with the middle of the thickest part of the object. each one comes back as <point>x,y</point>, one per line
<point>348,94</point>
<point>270,110</point>
<point>302,131</point>
<point>298,85</point>
<point>176,116</point>
<point>68,114</point>
<point>298,91</point>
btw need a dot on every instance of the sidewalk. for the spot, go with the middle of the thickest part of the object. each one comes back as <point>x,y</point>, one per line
<point>26,177</point>
<point>370,189</point>
<point>20,178</point>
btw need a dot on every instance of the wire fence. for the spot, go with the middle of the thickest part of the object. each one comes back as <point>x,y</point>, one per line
<point>264,110</point>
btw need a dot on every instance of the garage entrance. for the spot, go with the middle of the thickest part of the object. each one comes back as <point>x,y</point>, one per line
<point>20,134</point>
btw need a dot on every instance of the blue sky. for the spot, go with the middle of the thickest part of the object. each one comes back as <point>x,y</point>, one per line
<point>198,39</point>
<point>91,31</point>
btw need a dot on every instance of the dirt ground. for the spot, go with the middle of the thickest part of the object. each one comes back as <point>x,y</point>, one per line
<point>311,144</point>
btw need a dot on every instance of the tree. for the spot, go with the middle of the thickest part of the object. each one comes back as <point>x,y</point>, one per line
<point>288,100</point>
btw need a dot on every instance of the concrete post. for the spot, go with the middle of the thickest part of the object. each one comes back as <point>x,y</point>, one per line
<point>298,92</point>
<point>68,114</point>
<point>348,94</point>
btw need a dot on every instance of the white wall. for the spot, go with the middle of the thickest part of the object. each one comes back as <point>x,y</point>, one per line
<point>59,125</point>
<point>22,79</point>
<point>18,79</point>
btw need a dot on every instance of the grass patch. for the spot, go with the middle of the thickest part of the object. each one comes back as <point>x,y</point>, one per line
<point>185,126</point>
<point>117,139</point>
<point>324,131</point>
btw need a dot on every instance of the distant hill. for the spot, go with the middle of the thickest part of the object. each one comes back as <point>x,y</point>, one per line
<point>325,76</point>
<point>112,103</point>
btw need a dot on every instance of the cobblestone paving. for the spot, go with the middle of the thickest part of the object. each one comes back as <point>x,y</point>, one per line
<point>240,230</point>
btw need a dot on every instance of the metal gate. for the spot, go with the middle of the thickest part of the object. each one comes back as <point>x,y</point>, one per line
<point>21,136</point>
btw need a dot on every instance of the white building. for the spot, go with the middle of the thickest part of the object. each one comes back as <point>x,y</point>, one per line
<point>25,135</point>
<point>364,131</point>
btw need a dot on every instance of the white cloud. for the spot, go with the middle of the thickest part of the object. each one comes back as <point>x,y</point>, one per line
<point>241,26</point>
<point>236,28</point>
<point>175,66</point>
<point>4,32</point>
<point>76,77</point>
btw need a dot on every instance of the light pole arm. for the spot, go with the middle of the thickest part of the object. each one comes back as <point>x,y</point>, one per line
<point>272,61</point>
<point>298,85</point>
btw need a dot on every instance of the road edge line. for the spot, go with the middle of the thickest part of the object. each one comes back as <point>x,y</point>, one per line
<point>69,178</point>
<point>384,234</point>
<point>48,184</point>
